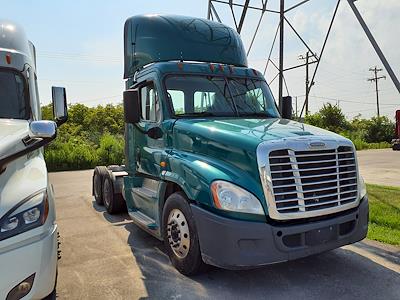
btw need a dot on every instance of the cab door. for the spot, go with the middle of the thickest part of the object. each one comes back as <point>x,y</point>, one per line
<point>148,151</point>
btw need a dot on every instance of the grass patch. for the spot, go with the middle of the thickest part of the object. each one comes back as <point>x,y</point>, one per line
<point>363,145</point>
<point>384,214</point>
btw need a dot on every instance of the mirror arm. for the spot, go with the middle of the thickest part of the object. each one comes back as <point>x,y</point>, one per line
<point>139,128</point>
<point>4,161</point>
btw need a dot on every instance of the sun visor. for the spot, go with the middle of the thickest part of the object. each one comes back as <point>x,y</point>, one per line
<point>155,38</point>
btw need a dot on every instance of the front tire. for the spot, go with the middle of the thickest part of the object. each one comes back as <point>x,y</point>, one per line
<point>180,235</point>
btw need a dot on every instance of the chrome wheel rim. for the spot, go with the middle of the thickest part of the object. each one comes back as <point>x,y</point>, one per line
<point>107,193</point>
<point>178,233</point>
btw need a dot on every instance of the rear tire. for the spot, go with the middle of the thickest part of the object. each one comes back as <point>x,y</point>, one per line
<point>99,174</point>
<point>114,203</point>
<point>180,235</point>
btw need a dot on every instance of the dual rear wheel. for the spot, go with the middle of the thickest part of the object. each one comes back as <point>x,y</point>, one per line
<point>103,191</point>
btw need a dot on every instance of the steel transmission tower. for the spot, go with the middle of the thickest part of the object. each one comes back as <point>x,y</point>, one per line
<point>246,5</point>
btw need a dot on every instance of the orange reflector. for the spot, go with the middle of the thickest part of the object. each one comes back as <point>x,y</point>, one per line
<point>163,164</point>
<point>214,191</point>
<point>8,59</point>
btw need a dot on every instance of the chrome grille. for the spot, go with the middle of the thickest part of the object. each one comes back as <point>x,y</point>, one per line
<point>305,181</point>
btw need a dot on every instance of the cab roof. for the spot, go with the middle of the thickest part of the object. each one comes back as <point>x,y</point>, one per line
<point>196,68</point>
<point>14,43</point>
<point>161,38</point>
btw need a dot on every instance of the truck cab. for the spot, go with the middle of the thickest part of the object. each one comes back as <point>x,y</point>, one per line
<point>28,231</point>
<point>396,141</point>
<point>212,168</point>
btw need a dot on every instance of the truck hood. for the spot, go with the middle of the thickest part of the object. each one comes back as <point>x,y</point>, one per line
<point>11,134</point>
<point>235,141</point>
<point>24,176</point>
<point>249,132</point>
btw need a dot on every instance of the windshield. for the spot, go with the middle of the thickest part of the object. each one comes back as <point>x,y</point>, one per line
<point>13,101</point>
<point>219,96</point>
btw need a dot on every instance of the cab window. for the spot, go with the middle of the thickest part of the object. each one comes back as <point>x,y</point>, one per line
<point>14,103</point>
<point>150,105</point>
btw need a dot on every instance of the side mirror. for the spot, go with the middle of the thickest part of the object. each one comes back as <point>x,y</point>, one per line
<point>131,106</point>
<point>60,112</point>
<point>287,107</point>
<point>42,129</point>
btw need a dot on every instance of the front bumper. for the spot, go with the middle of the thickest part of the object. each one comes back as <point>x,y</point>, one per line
<point>234,244</point>
<point>39,258</point>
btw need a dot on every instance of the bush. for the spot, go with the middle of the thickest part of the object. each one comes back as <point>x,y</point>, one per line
<point>111,150</point>
<point>375,133</point>
<point>75,154</point>
<point>379,129</point>
<point>92,136</point>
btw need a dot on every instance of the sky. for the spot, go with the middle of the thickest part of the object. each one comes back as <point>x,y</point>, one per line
<point>80,46</point>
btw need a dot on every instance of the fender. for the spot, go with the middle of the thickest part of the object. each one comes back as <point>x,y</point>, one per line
<point>195,173</point>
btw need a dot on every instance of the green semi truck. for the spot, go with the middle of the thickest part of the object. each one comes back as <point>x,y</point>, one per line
<point>211,166</point>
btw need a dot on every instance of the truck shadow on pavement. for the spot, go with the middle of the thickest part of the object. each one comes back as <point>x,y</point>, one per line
<point>340,273</point>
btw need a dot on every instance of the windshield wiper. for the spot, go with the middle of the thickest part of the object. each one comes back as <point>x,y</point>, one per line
<point>255,114</point>
<point>197,114</point>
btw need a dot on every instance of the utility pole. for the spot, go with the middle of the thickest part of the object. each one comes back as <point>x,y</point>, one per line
<point>375,79</point>
<point>307,59</point>
<point>281,51</point>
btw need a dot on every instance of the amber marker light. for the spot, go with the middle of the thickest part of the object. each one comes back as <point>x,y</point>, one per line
<point>46,209</point>
<point>8,58</point>
<point>180,66</point>
<point>163,164</point>
<point>215,195</point>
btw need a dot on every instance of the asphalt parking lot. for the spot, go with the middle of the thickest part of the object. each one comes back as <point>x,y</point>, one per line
<point>108,257</point>
<point>380,166</point>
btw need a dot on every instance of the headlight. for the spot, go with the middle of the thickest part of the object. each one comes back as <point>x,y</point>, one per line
<point>362,187</point>
<point>22,218</point>
<point>228,196</point>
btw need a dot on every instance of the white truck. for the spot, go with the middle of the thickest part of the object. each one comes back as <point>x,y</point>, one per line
<point>28,231</point>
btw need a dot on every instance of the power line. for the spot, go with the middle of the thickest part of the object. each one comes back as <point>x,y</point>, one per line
<point>347,101</point>
<point>375,79</point>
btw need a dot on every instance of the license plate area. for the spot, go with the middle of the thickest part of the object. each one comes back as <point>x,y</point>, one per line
<point>321,235</point>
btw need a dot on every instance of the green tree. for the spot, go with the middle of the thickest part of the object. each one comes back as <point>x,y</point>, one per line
<point>329,117</point>
<point>379,129</point>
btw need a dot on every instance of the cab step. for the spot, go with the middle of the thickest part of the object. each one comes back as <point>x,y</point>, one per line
<point>144,221</point>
